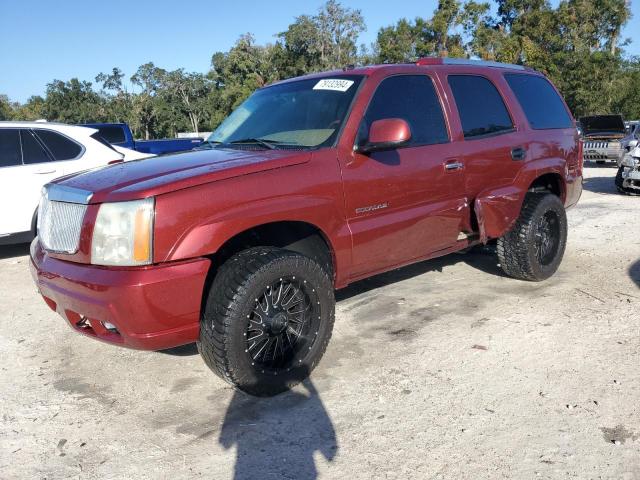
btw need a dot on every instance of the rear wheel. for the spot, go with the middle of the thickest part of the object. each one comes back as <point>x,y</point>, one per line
<point>267,320</point>
<point>534,247</point>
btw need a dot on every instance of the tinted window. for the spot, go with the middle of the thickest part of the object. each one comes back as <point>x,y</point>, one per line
<point>96,136</point>
<point>539,100</point>
<point>32,151</point>
<point>413,99</point>
<point>481,109</point>
<point>9,147</point>
<point>61,147</point>
<point>112,134</point>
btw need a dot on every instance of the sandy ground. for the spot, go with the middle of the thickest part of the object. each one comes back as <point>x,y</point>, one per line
<point>446,369</point>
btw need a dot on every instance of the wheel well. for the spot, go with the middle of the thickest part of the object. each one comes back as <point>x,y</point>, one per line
<point>300,237</point>
<point>549,182</point>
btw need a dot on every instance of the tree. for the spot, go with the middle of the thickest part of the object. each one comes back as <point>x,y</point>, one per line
<point>145,107</point>
<point>118,101</point>
<point>237,73</point>
<point>577,43</point>
<point>338,30</point>
<point>192,90</point>
<point>31,110</point>
<point>6,109</point>
<point>73,101</point>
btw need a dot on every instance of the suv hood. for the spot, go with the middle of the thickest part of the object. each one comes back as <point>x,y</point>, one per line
<point>158,175</point>
<point>603,125</point>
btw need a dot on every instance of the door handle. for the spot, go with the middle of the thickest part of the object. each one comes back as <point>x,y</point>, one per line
<point>453,165</point>
<point>44,171</point>
<point>518,153</point>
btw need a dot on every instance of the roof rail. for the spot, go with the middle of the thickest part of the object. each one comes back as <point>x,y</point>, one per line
<point>466,61</point>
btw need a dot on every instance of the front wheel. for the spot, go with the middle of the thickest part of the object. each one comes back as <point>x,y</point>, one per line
<point>267,320</point>
<point>534,247</point>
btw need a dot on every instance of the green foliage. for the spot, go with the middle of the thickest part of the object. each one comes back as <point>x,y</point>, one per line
<point>6,109</point>
<point>576,43</point>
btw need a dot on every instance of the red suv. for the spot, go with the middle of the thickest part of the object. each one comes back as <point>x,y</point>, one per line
<point>311,184</point>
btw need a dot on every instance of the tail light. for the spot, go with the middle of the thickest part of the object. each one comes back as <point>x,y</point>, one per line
<point>113,162</point>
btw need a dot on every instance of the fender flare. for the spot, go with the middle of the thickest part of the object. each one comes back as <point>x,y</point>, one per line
<point>208,235</point>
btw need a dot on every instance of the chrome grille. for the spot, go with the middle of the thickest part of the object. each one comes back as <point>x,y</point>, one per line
<point>59,225</point>
<point>596,145</point>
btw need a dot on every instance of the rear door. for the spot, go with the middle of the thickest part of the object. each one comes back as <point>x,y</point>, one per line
<point>12,219</point>
<point>39,167</point>
<point>66,153</point>
<point>403,204</point>
<point>494,148</point>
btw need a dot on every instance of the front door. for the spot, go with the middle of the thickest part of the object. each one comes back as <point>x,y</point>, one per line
<point>406,203</point>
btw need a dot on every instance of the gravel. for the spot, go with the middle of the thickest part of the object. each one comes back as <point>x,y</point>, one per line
<point>444,369</point>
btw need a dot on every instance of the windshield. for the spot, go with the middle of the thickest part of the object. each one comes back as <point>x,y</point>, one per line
<point>299,114</point>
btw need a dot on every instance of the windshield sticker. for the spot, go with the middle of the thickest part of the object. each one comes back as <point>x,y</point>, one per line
<point>335,84</point>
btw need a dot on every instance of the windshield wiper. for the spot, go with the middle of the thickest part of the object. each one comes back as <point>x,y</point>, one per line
<point>270,144</point>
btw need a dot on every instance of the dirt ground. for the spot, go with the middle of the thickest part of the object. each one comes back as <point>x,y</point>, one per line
<point>446,369</point>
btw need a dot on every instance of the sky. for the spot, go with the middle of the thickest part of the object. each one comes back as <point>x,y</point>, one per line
<point>42,40</point>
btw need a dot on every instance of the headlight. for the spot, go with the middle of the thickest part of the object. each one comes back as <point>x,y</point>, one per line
<point>629,161</point>
<point>123,233</point>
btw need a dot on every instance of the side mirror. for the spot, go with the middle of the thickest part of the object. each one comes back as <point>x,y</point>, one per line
<point>386,134</point>
<point>633,144</point>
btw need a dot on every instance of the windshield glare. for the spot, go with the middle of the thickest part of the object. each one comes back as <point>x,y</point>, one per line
<point>299,114</point>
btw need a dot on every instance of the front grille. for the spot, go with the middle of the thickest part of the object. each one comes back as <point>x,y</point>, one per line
<point>59,225</point>
<point>596,145</point>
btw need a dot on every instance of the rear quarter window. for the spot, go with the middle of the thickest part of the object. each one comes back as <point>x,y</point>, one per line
<point>540,102</point>
<point>61,147</point>
<point>112,134</point>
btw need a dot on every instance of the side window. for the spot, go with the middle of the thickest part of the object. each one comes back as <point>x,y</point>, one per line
<point>412,98</point>
<point>32,151</point>
<point>10,154</point>
<point>481,108</point>
<point>539,100</point>
<point>61,147</point>
<point>112,134</point>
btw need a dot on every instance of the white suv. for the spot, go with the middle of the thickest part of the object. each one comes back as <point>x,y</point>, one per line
<point>34,153</point>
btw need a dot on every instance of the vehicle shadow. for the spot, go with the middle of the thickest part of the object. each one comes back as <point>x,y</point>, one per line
<point>634,273</point>
<point>482,258</point>
<point>592,164</point>
<point>12,251</point>
<point>182,351</point>
<point>600,185</point>
<point>277,437</point>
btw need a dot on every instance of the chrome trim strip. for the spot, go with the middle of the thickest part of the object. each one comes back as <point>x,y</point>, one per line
<point>62,193</point>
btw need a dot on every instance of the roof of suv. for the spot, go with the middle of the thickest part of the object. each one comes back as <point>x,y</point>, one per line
<point>422,62</point>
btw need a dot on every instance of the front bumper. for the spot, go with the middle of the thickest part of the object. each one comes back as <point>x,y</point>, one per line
<point>147,308</point>
<point>631,179</point>
<point>603,154</point>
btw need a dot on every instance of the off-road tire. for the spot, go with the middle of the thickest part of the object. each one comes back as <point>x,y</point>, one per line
<point>229,302</point>
<point>517,251</point>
